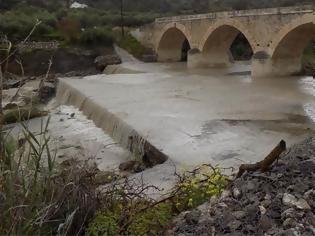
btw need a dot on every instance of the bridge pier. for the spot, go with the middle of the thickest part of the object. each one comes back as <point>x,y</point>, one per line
<point>263,65</point>
<point>197,59</point>
<point>169,55</point>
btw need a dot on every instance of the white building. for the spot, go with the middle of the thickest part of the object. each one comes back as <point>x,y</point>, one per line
<point>78,5</point>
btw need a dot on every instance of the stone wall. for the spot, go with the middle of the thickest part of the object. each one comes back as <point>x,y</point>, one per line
<point>212,34</point>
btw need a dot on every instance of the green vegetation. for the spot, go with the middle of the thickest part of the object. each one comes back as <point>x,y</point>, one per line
<point>127,214</point>
<point>97,36</point>
<point>18,16</point>
<point>132,45</point>
<point>148,222</point>
<point>86,27</point>
<point>38,198</point>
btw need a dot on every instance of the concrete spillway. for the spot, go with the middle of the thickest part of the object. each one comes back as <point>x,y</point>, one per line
<point>112,124</point>
<point>194,117</point>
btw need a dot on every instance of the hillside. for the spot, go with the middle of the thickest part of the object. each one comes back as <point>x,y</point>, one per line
<point>161,6</point>
<point>18,16</point>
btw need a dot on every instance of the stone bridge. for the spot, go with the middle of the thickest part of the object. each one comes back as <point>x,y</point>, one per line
<point>277,36</point>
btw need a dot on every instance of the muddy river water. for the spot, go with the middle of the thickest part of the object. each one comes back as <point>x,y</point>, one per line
<point>198,116</point>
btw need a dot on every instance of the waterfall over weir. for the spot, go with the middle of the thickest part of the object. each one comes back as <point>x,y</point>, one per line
<point>114,126</point>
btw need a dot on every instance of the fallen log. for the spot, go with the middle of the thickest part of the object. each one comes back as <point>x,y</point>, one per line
<point>263,165</point>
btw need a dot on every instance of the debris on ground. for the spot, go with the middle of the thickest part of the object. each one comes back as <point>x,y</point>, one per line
<point>278,202</point>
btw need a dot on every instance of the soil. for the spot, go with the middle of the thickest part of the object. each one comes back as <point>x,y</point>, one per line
<point>76,61</point>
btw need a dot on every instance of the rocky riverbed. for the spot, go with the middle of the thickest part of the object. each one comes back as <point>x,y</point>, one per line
<point>278,202</point>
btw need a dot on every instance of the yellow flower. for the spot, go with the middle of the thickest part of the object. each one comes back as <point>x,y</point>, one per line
<point>190,202</point>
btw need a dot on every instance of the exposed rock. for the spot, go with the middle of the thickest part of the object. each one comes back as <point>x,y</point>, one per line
<point>289,200</point>
<point>11,83</point>
<point>127,166</point>
<point>289,223</point>
<point>279,202</point>
<point>12,105</point>
<point>265,223</point>
<point>225,194</point>
<point>236,193</point>
<point>132,166</point>
<point>234,225</point>
<point>239,214</point>
<point>302,204</point>
<point>46,91</point>
<point>262,210</point>
<point>214,200</point>
<point>102,61</point>
<point>193,217</point>
<point>289,213</point>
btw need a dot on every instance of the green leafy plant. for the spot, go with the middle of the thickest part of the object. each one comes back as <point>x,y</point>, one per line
<point>38,198</point>
<point>132,45</point>
<point>197,186</point>
<point>129,212</point>
<point>96,36</point>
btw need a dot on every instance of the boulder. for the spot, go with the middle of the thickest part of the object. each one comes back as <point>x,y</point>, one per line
<point>46,91</point>
<point>101,62</point>
<point>132,166</point>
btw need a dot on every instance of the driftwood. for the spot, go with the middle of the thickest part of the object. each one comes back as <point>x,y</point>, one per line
<point>264,165</point>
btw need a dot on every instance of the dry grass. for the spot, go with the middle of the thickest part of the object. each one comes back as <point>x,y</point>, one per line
<point>36,198</point>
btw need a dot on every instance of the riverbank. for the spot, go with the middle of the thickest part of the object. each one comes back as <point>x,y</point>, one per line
<point>166,110</point>
<point>278,202</point>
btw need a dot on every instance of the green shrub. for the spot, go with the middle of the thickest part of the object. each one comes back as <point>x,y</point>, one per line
<point>96,36</point>
<point>149,222</point>
<point>197,187</point>
<point>132,45</point>
<point>17,24</point>
<point>152,221</point>
<point>105,224</point>
<point>36,197</point>
<point>128,214</point>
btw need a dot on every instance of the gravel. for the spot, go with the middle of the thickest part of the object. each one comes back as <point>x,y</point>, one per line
<point>278,202</point>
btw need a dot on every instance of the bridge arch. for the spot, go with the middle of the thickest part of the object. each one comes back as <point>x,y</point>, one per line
<point>216,43</point>
<point>173,43</point>
<point>286,49</point>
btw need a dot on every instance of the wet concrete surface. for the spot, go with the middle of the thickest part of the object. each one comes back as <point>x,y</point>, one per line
<point>74,137</point>
<point>223,117</point>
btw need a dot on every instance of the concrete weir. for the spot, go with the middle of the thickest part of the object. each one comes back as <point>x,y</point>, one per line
<point>119,130</point>
<point>195,116</point>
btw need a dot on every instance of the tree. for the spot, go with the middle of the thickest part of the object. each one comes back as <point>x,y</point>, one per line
<point>68,3</point>
<point>70,28</point>
<point>122,17</point>
<point>7,4</point>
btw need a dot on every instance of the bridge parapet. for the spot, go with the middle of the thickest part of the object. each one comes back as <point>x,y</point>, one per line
<point>242,13</point>
<point>281,34</point>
